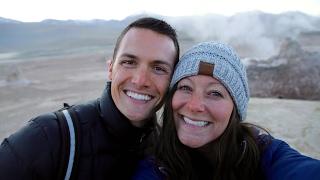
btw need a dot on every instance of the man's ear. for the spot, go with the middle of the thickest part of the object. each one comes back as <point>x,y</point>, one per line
<point>109,67</point>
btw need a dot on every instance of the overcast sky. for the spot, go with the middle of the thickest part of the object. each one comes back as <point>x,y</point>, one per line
<point>37,10</point>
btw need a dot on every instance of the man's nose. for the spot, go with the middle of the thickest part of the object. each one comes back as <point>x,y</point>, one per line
<point>141,78</point>
<point>195,103</point>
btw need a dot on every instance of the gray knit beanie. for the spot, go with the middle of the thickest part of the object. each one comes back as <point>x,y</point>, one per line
<point>228,69</point>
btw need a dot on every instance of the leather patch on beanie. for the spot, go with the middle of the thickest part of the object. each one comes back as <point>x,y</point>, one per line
<point>205,68</point>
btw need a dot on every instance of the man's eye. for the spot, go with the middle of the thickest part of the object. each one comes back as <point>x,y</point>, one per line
<point>127,63</point>
<point>160,70</point>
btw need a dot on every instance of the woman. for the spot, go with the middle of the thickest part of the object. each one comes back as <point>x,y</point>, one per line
<point>203,135</point>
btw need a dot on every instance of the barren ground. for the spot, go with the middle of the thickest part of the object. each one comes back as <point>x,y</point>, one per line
<point>43,85</point>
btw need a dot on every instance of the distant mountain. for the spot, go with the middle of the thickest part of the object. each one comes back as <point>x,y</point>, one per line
<point>253,34</point>
<point>81,22</point>
<point>5,20</point>
<point>55,36</point>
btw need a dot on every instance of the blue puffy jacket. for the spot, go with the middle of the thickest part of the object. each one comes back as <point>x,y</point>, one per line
<point>279,162</point>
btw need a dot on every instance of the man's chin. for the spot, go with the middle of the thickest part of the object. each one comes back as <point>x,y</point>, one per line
<point>138,122</point>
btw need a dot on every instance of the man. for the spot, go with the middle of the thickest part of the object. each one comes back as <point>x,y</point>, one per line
<point>113,127</point>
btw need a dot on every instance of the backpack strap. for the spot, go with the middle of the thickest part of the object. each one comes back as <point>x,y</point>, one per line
<point>70,148</point>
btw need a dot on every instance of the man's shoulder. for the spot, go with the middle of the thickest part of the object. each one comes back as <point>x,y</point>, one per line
<point>88,111</point>
<point>46,125</point>
<point>45,119</point>
<point>39,135</point>
<point>43,127</point>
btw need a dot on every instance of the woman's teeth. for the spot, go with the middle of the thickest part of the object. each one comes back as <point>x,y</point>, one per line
<point>195,123</point>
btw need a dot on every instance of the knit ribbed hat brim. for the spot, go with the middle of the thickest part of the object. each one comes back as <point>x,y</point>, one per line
<point>228,69</point>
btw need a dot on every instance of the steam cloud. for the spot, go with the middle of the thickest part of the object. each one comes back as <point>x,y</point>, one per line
<point>253,34</point>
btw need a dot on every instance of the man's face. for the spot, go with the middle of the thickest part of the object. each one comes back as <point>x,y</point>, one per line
<point>141,73</point>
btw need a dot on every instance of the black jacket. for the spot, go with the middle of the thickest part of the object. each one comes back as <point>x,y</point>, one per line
<point>110,145</point>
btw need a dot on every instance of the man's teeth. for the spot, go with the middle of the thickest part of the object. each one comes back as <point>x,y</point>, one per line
<point>138,96</point>
<point>195,123</point>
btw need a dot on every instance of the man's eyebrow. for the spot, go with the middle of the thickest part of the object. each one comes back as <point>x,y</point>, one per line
<point>131,56</point>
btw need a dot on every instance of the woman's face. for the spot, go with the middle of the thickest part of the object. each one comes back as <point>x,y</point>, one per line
<point>202,109</point>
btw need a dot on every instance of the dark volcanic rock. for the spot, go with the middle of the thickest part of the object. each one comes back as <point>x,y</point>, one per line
<point>293,74</point>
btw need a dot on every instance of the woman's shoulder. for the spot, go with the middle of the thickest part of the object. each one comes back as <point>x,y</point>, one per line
<point>280,161</point>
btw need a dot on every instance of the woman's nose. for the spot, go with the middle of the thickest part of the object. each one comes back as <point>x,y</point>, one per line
<point>195,103</point>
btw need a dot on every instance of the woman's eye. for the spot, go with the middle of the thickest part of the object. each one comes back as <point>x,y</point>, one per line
<point>184,88</point>
<point>215,94</point>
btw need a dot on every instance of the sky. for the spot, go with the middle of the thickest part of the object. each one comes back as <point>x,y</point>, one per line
<point>38,10</point>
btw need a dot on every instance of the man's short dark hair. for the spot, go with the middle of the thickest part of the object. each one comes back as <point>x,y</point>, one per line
<point>155,25</point>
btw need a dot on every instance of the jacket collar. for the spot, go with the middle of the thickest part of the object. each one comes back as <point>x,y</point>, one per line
<point>119,125</point>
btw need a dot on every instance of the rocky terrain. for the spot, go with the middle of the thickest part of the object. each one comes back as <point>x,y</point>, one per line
<point>292,74</point>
